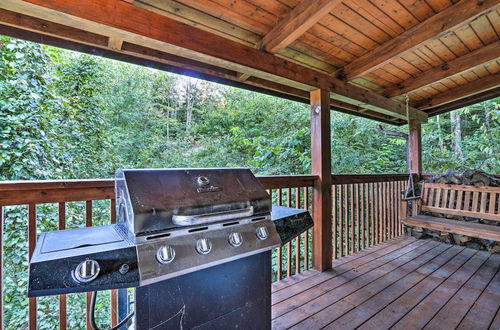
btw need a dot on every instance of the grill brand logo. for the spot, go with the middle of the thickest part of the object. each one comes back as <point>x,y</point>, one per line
<point>205,186</point>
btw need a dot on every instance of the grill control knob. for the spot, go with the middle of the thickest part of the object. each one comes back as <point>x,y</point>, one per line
<point>203,246</point>
<point>86,271</point>
<point>262,233</point>
<point>165,254</point>
<point>235,239</point>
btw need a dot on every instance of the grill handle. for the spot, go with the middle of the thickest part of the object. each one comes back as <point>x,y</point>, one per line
<point>199,219</point>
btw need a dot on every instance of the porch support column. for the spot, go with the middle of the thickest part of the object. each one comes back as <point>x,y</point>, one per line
<point>415,147</point>
<point>322,167</point>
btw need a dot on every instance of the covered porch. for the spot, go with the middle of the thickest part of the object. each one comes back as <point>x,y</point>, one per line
<point>355,268</point>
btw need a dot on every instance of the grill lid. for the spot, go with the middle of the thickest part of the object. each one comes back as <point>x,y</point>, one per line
<point>152,200</point>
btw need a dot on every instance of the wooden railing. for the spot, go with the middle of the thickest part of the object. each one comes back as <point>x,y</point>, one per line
<point>294,191</point>
<point>365,210</point>
<point>52,205</point>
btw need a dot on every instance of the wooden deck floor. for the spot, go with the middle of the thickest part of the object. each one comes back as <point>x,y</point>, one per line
<point>401,284</point>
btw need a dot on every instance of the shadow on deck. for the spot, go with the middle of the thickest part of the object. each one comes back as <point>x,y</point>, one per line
<point>401,284</point>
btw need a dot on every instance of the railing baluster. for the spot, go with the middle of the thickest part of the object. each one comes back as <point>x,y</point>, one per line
<point>297,239</point>
<point>351,218</point>
<point>306,234</point>
<point>296,191</point>
<point>1,265</point>
<point>280,251</point>
<point>289,244</point>
<point>31,247</point>
<point>62,297</point>
<point>341,219</point>
<point>379,212</point>
<point>386,214</point>
<point>363,233</point>
<point>372,215</point>
<point>398,205</point>
<point>113,294</point>
<point>358,220</point>
<point>334,220</point>
<point>88,223</point>
<point>391,209</point>
<point>346,222</point>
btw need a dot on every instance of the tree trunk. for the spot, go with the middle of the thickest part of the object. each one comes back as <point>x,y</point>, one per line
<point>189,106</point>
<point>456,130</point>
<point>440,136</point>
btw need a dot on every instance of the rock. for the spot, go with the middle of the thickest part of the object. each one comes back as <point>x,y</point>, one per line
<point>446,238</point>
<point>451,177</point>
<point>460,239</point>
<point>480,178</point>
<point>417,234</point>
<point>418,229</point>
<point>473,245</point>
<point>433,233</point>
<point>494,248</point>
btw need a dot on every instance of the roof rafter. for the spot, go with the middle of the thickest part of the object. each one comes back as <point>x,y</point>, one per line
<point>475,87</point>
<point>43,31</point>
<point>477,98</point>
<point>296,23</point>
<point>432,28</point>
<point>453,67</point>
<point>140,26</point>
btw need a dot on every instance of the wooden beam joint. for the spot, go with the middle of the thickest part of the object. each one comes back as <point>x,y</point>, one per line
<point>296,23</point>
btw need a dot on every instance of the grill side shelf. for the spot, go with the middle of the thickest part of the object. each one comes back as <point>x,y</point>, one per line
<point>290,222</point>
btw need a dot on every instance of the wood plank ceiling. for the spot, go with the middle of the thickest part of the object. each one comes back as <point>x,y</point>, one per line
<point>465,50</point>
<point>441,53</point>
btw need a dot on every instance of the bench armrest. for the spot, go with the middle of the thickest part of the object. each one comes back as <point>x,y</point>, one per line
<point>417,202</point>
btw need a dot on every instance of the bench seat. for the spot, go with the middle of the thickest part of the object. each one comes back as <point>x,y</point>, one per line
<point>456,200</point>
<point>455,227</point>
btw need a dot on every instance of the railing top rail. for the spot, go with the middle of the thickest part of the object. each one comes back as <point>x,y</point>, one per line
<point>53,191</point>
<point>287,181</point>
<point>367,178</point>
<point>56,184</point>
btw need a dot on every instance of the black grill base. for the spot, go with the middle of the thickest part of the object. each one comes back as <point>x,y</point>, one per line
<point>234,295</point>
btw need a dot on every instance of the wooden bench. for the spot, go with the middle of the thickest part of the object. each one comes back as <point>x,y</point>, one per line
<point>468,201</point>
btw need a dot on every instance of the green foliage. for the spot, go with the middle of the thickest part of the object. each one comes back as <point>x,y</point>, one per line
<point>68,115</point>
<point>480,128</point>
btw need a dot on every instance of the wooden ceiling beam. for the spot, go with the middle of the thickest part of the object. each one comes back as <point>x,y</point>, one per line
<point>296,23</point>
<point>116,17</point>
<point>434,27</point>
<point>448,69</point>
<point>477,98</point>
<point>475,87</point>
<point>125,51</point>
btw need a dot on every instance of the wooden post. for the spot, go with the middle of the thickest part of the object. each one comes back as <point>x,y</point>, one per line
<point>322,167</point>
<point>415,147</point>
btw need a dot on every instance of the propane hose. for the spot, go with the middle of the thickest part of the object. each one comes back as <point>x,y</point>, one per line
<point>93,325</point>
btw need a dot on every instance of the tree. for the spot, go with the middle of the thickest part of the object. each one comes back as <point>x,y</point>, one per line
<point>457,134</point>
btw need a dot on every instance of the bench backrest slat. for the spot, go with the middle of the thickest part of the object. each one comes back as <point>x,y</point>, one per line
<point>470,201</point>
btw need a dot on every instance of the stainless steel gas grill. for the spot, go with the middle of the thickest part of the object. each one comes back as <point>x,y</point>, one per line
<point>171,222</point>
<point>187,220</point>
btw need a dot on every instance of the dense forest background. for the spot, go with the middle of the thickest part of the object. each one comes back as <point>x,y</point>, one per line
<point>69,115</point>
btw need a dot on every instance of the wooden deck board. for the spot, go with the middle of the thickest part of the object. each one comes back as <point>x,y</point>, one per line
<point>346,284</point>
<point>282,307</point>
<point>484,308</point>
<point>339,268</point>
<point>401,284</point>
